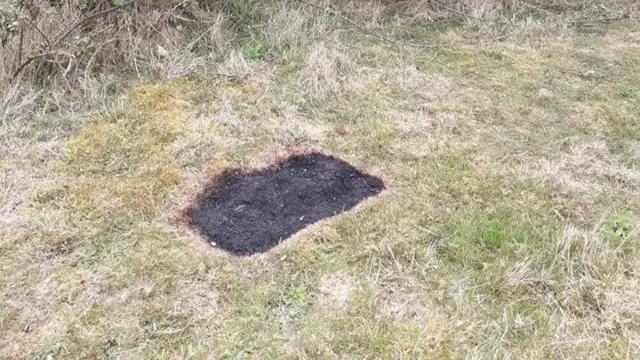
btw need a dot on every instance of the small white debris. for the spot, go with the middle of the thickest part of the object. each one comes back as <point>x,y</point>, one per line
<point>162,52</point>
<point>545,94</point>
<point>301,218</point>
<point>213,243</point>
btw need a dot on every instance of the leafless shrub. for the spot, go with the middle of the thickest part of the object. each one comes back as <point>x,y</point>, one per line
<point>65,44</point>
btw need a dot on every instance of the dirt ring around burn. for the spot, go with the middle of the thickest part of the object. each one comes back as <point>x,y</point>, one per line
<point>251,210</point>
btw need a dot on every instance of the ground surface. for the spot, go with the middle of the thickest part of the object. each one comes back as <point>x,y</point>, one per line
<point>247,213</point>
<point>509,227</point>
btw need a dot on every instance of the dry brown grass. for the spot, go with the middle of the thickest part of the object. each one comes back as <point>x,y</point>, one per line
<point>509,228</point>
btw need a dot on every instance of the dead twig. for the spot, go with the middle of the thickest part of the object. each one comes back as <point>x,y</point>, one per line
<point>389,40</point>
<point>20,46</point>
<point>463,14</point>
<point>606,19</point>
<point>57,39</point>
<point>367,31</point>
<point>68,31</point>
<point>42,34</point>
<point>33,58</point>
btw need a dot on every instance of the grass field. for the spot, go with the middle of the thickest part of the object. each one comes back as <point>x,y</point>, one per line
<point>509,227</point>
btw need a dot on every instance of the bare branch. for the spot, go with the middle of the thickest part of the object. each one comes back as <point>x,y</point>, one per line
<point>42,34</point>
<point>35,57</point>
<point>57,39</point>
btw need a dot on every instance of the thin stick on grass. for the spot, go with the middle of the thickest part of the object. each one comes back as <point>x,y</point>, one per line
<point>466,15</point>
<point>606,19</point>
<point>392,41</point>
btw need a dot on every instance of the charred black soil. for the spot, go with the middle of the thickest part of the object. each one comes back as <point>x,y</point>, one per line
<point>250,212</point>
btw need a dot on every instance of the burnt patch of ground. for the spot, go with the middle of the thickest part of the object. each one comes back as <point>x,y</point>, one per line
<point>250,212</point>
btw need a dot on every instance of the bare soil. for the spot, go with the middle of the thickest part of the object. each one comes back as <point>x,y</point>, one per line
<point>252,212</point>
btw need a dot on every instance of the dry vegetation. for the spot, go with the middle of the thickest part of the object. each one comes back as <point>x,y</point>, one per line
<point>509,228</point>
